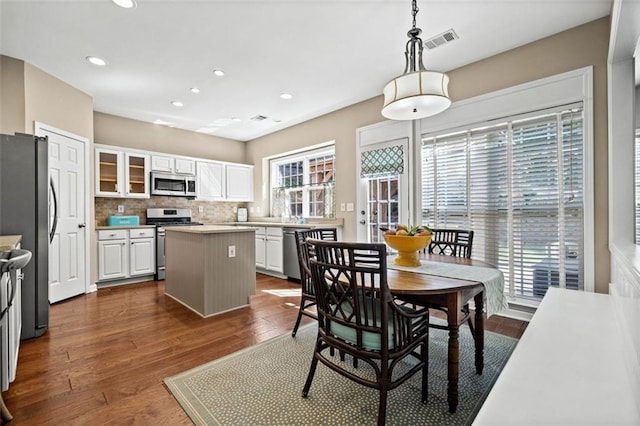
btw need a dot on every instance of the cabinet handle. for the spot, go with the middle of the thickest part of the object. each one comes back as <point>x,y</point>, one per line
<point>112,235</point>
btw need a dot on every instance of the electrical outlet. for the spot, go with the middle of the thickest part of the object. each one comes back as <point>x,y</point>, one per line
<point>200,209</point>
<point>231,251</point>
<point>235,209</point>
<point>120,208</point>
<point>349,207</point>
<point>343,207</point>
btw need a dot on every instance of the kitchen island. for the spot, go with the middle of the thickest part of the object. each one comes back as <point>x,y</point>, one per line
<point>210,268</point>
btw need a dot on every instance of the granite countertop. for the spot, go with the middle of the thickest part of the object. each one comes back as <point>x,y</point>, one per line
<point>99,228</point>
<point>309,225</point>
<point>9,242</point>
<point>209,229</point>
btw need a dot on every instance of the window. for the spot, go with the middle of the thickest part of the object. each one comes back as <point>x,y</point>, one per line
<point>518,184</point>
<point>302,184</point>
<point>637,185</point>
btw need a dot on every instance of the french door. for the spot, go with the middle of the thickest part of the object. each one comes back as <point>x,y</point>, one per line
<point>383,188</point>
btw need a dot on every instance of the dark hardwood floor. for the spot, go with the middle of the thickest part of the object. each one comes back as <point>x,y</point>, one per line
<point>104,357</point>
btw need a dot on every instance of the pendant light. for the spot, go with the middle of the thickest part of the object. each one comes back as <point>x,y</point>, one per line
<point>417,93</point>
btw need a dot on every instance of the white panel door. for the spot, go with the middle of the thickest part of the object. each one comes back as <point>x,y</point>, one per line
<point>67,252</point>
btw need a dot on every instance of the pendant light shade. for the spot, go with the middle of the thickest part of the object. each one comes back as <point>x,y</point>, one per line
<point>417,93</point>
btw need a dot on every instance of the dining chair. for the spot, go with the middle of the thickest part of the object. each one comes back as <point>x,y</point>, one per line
<point>450,242</point>
<point>357,315</point>
<point>308,298</point>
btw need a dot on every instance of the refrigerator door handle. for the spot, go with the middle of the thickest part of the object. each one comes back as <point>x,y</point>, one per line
<point>54,226</point>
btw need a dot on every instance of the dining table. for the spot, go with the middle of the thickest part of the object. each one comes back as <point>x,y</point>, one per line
<point>452,282</point>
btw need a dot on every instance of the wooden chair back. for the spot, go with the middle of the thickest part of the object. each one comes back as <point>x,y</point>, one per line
<point>451,242</point>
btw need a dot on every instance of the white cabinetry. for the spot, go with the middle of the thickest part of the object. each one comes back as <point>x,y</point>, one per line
<point>112,254</point>
<point>126,253</point>
<point>274,249</point>
<point>162,163</point>
<point>121,173</point>
<point>10,327</point>
<point>239,182</point>
<point>141,252</point>
<point>269,249</point>
<point>210,181</point>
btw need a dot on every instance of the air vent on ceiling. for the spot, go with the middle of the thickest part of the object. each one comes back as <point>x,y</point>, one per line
<point>446,37</point>
<point>259,118</point>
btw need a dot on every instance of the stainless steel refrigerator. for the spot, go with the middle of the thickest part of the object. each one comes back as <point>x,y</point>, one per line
<point>24,210</point>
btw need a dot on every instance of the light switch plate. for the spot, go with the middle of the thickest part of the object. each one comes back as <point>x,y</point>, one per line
<point>200,209</point>
<point>120,208</point>
<point>231,251</point>
<point>343,207</point>
<point>349,207</point>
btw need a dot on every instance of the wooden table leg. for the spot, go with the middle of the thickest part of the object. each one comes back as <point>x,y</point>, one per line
<point>453,359</point>
<point>479,331</point>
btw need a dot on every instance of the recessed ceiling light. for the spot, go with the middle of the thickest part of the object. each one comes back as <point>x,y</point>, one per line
<point>164,123</point>
<point>218,72</point>
<point>127,4</point>
<point>286,96</point>
<point>194,90</point>
<point>96,61</point>
<point>177,104</point>
<point>236,119</point>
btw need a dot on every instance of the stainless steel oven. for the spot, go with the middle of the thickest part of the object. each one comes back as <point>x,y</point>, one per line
<point>161,217</point>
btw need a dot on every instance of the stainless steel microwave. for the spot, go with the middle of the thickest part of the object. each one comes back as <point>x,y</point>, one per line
<point>173,185</point>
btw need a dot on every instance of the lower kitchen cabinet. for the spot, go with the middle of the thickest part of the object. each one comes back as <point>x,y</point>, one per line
<point>141,253</point>
<point>269,249</point>
<point>126,253</point>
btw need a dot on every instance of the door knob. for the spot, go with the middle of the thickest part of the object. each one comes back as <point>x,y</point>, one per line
<point>362,222</point>
<point>82,225</point>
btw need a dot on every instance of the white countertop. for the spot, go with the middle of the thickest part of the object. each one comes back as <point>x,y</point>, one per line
<point>209,229</point>
<point>306,225</point>
<point>568,368</point>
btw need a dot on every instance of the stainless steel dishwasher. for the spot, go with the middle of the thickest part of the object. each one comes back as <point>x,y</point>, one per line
<point>290,252</point>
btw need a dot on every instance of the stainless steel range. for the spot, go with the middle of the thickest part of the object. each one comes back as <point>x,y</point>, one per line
<point>161,217</point>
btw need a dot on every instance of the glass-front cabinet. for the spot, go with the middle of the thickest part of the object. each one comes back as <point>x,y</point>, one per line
<point>121,174</point>
<point>137,178</point>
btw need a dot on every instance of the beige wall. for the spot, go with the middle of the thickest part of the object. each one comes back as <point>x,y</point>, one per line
<point>51,101</point>
<point>579,47</point>
<point>128,133</point>
<point>11,95</point>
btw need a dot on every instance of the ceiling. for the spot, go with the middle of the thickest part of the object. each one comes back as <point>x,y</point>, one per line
<point>327,54</point>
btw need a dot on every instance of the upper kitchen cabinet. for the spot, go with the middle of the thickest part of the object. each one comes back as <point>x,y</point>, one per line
<point>239,182</point>
<point>121,173</point>
<point>161,163</point>
<point>210,181</point>
<point>109,172</point>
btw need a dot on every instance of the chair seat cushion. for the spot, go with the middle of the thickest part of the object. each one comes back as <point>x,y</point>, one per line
<point>370,340</point>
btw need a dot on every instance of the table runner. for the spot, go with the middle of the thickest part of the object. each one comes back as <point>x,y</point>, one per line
<point>492,279</point>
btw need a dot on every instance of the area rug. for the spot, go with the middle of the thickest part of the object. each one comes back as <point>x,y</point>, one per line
<point>262,385</point>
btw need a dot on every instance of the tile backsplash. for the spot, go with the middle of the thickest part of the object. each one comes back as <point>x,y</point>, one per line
<point>213,211</point>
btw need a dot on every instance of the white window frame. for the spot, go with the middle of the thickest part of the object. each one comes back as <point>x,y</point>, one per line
<point>305,157</point>
<point>566,88</point>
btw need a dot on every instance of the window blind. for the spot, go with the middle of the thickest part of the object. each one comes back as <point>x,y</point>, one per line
<point>383,162</point>
<point>518,185</point>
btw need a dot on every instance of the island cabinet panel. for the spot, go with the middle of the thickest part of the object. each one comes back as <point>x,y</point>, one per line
<point>210,269</point>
